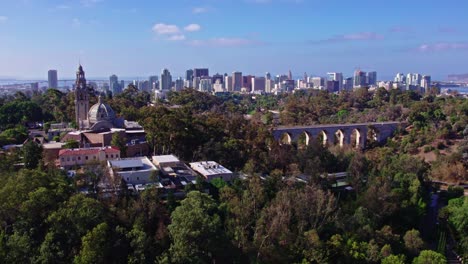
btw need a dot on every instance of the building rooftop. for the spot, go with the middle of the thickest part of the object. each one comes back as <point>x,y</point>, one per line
<point>88,151</point>
<point>165,159</point>
<point>208,168</point>
<point>137,163</point>
<point>53,145</point>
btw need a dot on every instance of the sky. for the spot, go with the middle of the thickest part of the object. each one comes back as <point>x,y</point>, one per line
<point>141,37</point>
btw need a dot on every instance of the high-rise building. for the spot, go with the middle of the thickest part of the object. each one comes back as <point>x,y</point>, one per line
<point>201,72</point>
<point>348,84</point>
<point>53,79</point>
<point>166,80</point>
<point>400,78</point>
<point>115,85</point>
<point>237,81</point>
<point>205,84</point>
<point>290,75</point>
<point>153,82</point>
<point>318,82</point>
<point>189,75</point>
<point>228,83</point>
<point>269,85</point>
<point>268,76</point>
<point>179,84</point>
<point>247,82</point>
<point>336,76</point>
<point>426,83</point>
<point>258,84</point>
<point>81,98</point>
<point>217,77</point>
<point>359,78</point>
<point>372,78</point>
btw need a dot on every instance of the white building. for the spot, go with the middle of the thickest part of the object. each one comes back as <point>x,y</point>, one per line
<point>205,85</point>
<point>211,170</point>
<point>138,170</point>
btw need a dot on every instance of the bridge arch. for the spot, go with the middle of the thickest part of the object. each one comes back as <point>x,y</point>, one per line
<point>285,139</point>
<point>323,137</point>
<point>339,138</point>
<point>304,139</point>
<point>356,138</point>
<point>373,136</point>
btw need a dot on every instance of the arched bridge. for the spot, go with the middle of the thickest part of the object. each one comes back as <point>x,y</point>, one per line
<point>356,135</point>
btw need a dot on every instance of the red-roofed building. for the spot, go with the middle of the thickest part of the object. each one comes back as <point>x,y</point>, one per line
<point>79,157</point>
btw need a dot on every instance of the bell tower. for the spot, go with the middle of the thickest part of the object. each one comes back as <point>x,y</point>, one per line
<point>81,99</point>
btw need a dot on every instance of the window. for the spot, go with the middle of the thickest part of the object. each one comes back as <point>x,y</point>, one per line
<point>68,159</point>
<point>79,158</point>
<point>107,156</point>
<point>128,179</point>
<point>138,178</point>
<point>94,157</point>
<point>86,157</point>
<point>112,155</point>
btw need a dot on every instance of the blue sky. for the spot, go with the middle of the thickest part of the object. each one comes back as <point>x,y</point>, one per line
<point>140,37</point>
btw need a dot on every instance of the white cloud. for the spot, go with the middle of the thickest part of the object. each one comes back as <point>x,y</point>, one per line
<point>88,3</point>
<point>76,23</point>
<point>192,28</point>
<point>3,19</point>
<point>62,7</point>
<point>199,10</point>
<point>165,29</point>
<point>176,37</point>
<point>442,46</point>
<point>224,42</point>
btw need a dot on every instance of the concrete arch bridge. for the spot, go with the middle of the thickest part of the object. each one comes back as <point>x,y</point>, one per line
<point>357,135</point>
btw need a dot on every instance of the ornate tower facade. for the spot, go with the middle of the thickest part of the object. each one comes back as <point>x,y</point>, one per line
<point>81,99</point>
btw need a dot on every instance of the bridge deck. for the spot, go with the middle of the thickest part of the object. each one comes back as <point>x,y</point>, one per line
<point>337,125</point>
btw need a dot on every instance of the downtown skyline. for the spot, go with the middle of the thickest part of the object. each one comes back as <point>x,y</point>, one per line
<point>252,36</point>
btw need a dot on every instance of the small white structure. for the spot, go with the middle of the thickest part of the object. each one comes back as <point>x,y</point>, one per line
<point>165,161</point>
<point>211,170</point>
<point>138,170</point>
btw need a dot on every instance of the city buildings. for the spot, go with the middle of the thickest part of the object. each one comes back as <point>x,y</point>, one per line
<point>258,84</point>
<point>114,85</point>
<point>153,82</point>
<point>166,80</point>
<point>371,78</point>
<point>359,78</point>
<point>338,77</point>
<point>52,79</point>
<point>201,72</point>
<point>237,81</point>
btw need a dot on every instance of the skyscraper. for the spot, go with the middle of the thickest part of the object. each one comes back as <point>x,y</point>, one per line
<point>166,80</point>
<point>205,85</point>
<point>359,78</point>
<point>426,83</point>
<point>372,78</point>
<point>290,75</point>
<point>258,84</point>
<point>189,75</point>
<point>115,85</point>
<point>237,81</point>
<point>53,79</point>
<point>201,72</point>
<point>338,77</point>
<point>228,83</point>
<point>179,84</point>
<point>153,81</point>
<point>268,76</point>
<point>400,78</point>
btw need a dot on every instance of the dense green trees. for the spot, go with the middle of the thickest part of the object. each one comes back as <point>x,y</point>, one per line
<point>269,217</point>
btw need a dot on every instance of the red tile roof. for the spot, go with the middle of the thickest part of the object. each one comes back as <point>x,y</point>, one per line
<point>88,151</point>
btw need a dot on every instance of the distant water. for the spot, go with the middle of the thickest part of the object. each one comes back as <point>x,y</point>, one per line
<point>461,90</point>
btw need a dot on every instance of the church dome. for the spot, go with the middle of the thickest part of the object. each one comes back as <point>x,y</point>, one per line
<point>101,112</point>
